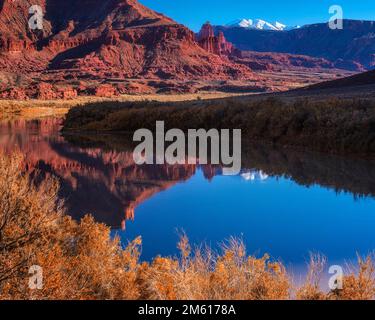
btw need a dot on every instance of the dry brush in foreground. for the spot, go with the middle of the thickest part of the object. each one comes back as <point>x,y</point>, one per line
<point>80,260</point>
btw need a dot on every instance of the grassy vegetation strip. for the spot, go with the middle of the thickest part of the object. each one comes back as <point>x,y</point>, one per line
<point>332,125</point>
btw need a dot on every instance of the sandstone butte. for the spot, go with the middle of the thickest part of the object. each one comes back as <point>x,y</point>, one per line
<point>106,47</point>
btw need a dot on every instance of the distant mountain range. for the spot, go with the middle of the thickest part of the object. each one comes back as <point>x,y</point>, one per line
<point>259,24</point>
<point>109,47</point>
<point>352,48</point>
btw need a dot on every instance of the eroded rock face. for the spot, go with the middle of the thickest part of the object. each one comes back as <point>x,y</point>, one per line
<point>45,91</point>
<point>106,91</point>
<point>215,44</point>
<point>97,40</point>
<point>14,94</point>
<point>41,91</point>
<point>351,48</point>
<point>283,61</point>
<point>67,93</point>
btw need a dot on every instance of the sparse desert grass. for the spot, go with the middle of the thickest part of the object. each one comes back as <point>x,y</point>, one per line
<point>34,108</point>
<point>80,260</point>
<point>41,108</point>
<point>331,125</point>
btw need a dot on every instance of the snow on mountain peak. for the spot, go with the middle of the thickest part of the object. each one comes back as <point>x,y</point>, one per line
<point>259,24</point>
<point>280,26</point>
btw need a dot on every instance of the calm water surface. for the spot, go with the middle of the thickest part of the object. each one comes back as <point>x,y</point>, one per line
<point>285,203</point>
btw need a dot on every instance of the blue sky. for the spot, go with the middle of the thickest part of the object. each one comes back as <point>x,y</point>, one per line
<point>194,13</point>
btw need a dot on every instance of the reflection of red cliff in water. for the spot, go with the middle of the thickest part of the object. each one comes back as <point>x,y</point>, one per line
<point>106,184</point>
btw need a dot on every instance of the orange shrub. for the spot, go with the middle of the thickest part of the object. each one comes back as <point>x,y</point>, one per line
<point>82,260</point>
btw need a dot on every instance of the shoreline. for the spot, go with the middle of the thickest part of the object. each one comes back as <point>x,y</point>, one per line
<point>277,114</point>
<point>35,108</point>
<point>315,120</point>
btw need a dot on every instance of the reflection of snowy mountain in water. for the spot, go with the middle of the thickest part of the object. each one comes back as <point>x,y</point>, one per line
<point>253,175</point>
<point>98,175</point>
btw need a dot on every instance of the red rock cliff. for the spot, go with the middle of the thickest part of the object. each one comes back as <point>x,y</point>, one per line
<point>98,40</point>
<point>215,44</point>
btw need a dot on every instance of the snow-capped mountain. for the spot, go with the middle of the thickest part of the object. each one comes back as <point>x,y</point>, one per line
<point>259,24</point>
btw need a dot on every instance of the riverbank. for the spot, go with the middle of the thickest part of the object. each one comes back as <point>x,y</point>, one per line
<point>332,123</point>
<point>42,108</point>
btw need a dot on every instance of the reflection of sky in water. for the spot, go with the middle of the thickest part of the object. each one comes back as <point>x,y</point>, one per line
<point>272,215</point>
<point>275,216</point>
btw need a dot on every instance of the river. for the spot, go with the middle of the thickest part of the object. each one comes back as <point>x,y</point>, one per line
<point>286,203</point>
